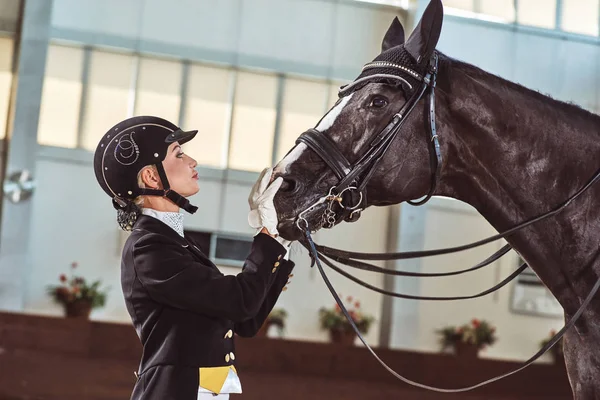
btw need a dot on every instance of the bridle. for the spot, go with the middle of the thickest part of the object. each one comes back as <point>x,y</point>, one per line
<point>353,178</point>
<point>352,184</point>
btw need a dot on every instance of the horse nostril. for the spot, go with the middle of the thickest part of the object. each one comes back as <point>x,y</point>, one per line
<point>288,185</point>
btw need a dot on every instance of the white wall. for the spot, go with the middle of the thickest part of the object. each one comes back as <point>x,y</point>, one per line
<point>323,38</point>
<point>564,66</point>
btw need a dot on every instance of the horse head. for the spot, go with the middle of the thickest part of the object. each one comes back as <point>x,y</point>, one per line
<point>394,166</point>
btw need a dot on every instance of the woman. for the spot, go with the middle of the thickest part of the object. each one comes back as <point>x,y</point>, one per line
<point>184,310</point>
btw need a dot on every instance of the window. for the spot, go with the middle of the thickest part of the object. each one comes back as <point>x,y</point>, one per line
<point>109,94</point>
<point>208,109</point>
<point>159,88</point>
<point>581,16</point>
<point>541,13</point>
<point>334,89</point>
<point>503,9</point>
<point>253,124</point>
<point>61,97</point>
<point>460,4</point>
<point>303,106</point>
<point>6,53</point>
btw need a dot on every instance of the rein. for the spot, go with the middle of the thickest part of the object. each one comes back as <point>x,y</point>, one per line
<point>312,248</point>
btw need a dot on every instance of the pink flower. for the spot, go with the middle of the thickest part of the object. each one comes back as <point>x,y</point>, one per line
<point>74,264</point>
<point>476,323</point>
<point>63,278</point>
<point>357,304</point>
<point>353,316</point>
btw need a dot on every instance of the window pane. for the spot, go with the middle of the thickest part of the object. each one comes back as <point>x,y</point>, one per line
<point>6,53</point>
<point>61,97</point>
<point>253,122</point>
<point>159,86</point>
<point>303,106</point>
<point>208,109</point>
<point>540,13</point>
<point>503,9</point>
<point>108,94</point>
<point>334,88</point>
<point>461,4</point>
<point>581,16</point>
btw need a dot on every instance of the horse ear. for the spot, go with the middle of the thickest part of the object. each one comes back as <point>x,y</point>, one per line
<point>394,35</point>
<point>424,38</point>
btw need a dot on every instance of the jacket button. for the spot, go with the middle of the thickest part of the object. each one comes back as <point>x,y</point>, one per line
<point>229,334</point>
<point>273,270</point>
<point>226,357</point>
<point>279,257</point>
<point>284,289</point>
<point>232,356</point>
<point>276,264</point>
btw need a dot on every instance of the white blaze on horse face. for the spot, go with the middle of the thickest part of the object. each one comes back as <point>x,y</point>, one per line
<point>282,166</point>
<point>329,119</point>
<point>326,123</point>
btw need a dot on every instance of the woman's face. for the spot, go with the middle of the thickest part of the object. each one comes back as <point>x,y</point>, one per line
<point>180,170</point>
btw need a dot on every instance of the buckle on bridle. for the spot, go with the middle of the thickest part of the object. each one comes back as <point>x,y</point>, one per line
<point>355,206</point>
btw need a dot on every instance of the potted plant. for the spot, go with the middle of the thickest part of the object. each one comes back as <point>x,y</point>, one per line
<point>340,330</point>
<point>77,296</point>
<point>276,318</point>
<point>555,351</point>
<point>468,339</point>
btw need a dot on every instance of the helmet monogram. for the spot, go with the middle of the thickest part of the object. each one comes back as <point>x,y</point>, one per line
<point>126,150</point>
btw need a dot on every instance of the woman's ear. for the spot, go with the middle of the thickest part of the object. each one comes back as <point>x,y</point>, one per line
<point>150,178</point>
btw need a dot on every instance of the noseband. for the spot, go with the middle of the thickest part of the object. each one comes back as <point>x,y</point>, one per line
<point>350,192</point>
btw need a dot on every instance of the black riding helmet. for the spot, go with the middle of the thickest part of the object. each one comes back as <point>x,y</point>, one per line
<point>128,147</point>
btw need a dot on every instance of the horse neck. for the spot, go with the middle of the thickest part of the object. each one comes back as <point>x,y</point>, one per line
<point>513,154</point>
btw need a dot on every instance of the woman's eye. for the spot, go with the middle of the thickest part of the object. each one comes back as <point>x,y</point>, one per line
<point>379,102</point>
<point>179,155</point>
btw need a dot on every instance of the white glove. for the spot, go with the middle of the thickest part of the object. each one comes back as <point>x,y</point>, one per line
<point>262,210</point>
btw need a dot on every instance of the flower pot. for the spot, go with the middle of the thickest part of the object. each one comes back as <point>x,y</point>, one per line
<point>78,309</point>
<point>466,350</point>
<point>342,337</point>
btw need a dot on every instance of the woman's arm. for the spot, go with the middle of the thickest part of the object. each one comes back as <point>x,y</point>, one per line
<point>173,277</point>
<point>251,326</point>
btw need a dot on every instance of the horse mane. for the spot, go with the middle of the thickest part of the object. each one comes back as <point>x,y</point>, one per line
<point>448,64</point>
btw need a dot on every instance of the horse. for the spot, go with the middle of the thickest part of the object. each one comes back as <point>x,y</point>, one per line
<point>510,152</point>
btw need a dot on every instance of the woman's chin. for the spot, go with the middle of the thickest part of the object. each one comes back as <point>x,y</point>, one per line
<point>188,192</point>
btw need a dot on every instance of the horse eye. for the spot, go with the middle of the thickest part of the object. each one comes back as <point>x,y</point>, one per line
<point>379,102</point>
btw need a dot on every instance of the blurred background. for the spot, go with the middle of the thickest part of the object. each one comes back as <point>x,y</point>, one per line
<point>251,75</point>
